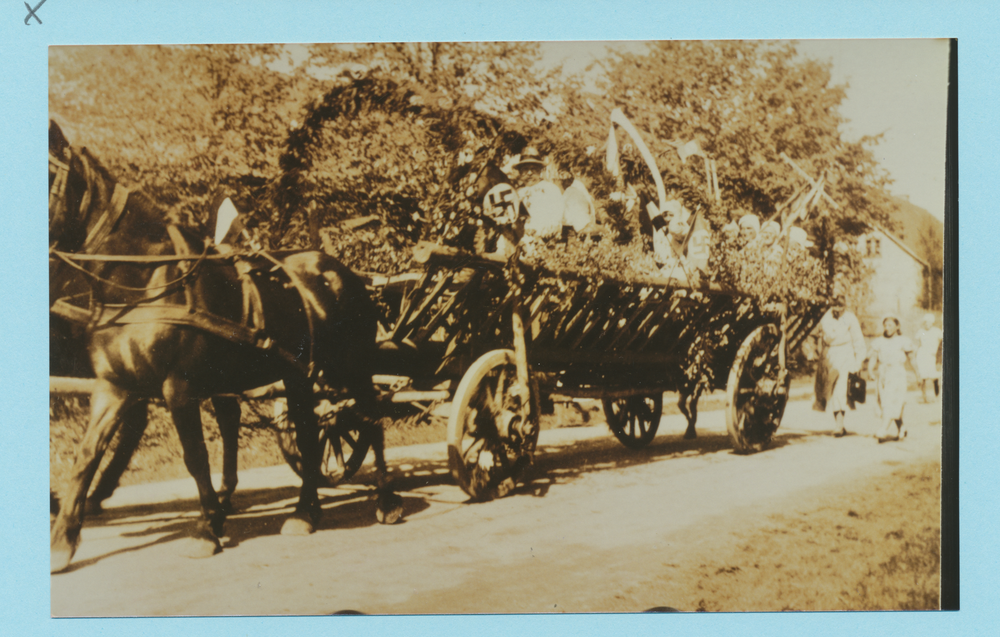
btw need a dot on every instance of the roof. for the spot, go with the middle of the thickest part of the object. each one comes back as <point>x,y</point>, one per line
<point>902,246</point>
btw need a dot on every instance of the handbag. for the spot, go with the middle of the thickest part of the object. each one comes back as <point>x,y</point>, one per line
<point>857,388</point>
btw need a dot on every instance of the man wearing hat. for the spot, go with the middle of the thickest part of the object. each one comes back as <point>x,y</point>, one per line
<point>542,199</point>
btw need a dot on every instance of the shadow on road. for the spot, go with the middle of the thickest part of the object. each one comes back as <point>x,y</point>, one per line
<point>566,463</point>
<point>261,512</point>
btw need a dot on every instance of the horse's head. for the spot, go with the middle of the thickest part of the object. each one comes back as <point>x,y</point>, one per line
<point>62,226</point>
<point>85,202</point>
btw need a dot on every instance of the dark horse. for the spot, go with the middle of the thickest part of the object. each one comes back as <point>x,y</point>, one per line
<point>68,354</point>
<point>168,318</point>
<point>68,357</point>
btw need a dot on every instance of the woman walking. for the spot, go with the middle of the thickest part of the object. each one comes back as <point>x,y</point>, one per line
<point>887,365</point>
<point>928,342</point>
<point>843,352</point>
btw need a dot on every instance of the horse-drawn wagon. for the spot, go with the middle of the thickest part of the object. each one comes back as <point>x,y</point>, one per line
<point>168,318</point>
<point>494,337</point>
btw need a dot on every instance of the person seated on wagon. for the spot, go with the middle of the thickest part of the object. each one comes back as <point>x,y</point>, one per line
<point>503,226</point>
<point>578,206</point>
<point>542,199</point>
<point>730,232</point>
<point>768,242</point>
<point>798,243</point>
<point>676,265</point>
<point>663,247</point>
<point>749,229</point>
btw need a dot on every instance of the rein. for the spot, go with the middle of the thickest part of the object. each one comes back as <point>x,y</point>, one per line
<point>69,259</point>
<point>143,311</point>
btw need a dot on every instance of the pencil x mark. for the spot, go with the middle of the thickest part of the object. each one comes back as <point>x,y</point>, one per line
<point>31,12</point>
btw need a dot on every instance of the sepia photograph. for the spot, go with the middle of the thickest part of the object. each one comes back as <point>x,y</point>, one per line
<point>519,327</point>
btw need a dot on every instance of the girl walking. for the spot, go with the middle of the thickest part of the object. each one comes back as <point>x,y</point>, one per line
<point>887,365</point>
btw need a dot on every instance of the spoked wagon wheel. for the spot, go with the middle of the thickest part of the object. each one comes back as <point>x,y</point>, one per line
<point>757,391</point>
<point>342,437</point>
<point>493,428</point>
<point>635,419</point>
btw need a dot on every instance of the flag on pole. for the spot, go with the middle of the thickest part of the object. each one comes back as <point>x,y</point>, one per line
<point>227,223</point>
<point>689,149</point>
<point>611,160</point>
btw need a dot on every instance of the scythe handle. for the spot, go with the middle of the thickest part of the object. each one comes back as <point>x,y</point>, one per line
<point>617,117</point>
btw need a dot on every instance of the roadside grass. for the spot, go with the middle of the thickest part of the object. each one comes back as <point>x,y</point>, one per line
<point>159,454</point>
<point>874,546</point>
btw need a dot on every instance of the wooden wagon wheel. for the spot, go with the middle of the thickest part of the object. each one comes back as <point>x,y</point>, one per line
<point>492,431</point>
<point>757,391</point>
<point>635,419</point>
<point>342,437</point>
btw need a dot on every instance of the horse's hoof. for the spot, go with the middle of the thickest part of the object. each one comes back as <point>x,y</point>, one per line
<point>504,488</point>
<point>61,559</point>
<point>389,517</point>
<point>297,526</point>
<point>93,508</point>
<point>225,507</point>
<point>690,435</point>
<point>198,548</point>
<point>389,514</point>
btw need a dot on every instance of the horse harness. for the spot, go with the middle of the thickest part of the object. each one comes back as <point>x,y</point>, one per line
<point>251,330</point>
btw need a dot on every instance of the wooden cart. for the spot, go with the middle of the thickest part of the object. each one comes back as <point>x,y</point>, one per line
<point>494,337</point>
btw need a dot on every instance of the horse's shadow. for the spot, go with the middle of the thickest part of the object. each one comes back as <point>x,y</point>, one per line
<point>262,512</point>
<point>257,513</point>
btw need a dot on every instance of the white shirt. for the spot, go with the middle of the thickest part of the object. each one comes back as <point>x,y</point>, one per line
<point>578,208</point>
<point>544,203</point>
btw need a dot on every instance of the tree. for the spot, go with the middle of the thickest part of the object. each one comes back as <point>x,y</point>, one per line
<point>746,104</point>
<point>179,121</point>
<point>384,139</point>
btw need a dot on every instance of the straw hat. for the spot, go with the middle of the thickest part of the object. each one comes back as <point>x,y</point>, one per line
<point>529,157</point>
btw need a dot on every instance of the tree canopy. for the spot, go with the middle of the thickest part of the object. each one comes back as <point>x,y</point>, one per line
<point>304,143</point>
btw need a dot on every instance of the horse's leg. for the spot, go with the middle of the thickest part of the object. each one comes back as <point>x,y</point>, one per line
<point>107,404</point>
<point>690,434</point>
<point>390,505</point>
<point>300,410</point>
<point>683,404</point>
<point>227,414</point>
<point>186,414</point>
<point>134,422</point>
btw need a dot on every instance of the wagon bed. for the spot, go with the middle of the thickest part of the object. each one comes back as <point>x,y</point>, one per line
<point>495,337</point>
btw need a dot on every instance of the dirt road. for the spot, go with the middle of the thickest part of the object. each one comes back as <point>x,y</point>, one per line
<point>596,530</point>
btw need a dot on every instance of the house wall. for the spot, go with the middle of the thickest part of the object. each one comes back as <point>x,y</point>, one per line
<point>896,285</point>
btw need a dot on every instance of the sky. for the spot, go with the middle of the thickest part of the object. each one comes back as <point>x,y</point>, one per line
<point>894,87</point>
